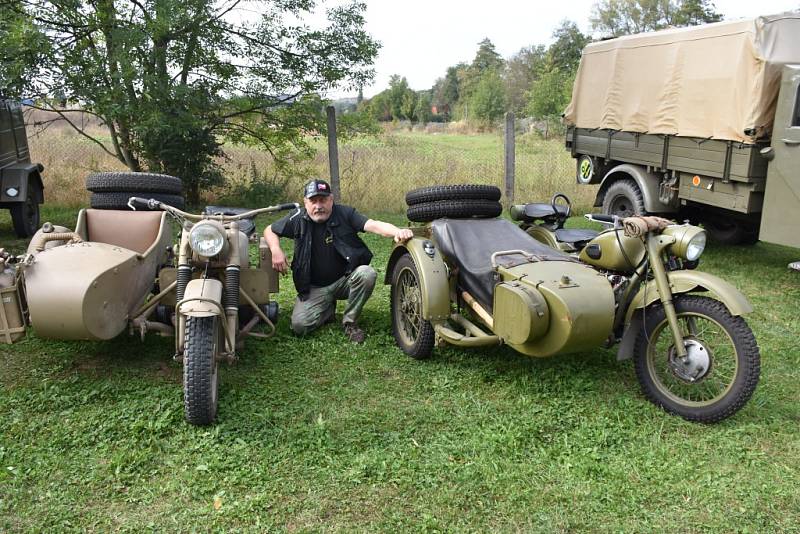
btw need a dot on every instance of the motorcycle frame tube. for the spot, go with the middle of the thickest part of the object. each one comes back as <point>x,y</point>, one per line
<point>655,246</point>
<point>232,313</point>
<point>184,258</point>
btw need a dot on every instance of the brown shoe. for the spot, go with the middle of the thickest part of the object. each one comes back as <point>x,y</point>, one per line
<point>354,333</point>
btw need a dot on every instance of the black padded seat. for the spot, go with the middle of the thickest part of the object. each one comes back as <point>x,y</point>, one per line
<point>470,243</point>
<point>535,212</point>
<point>578,235</point>
<point>248,226</point>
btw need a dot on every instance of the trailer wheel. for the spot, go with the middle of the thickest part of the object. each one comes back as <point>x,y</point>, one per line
<point>452,192</point>
<point>624,199</point>
<point>25,216</point>
<point>456,209</point>
<point>118,200</point>
<point>105,182</point>
<point>200,370</point>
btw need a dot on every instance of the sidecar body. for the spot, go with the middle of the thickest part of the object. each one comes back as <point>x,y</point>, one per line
<point>89,289</point>
<point>538,300</point>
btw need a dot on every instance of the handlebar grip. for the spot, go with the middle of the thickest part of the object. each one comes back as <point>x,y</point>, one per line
<point>288,206</point>
<point>139,201</point>
<point>603,217</point>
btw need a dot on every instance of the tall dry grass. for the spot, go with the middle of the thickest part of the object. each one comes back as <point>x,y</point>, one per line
<point>376,172</point>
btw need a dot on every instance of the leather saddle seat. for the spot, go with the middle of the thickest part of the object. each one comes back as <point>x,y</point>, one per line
<point>247,226</point>
<point>576,235</point>
<point>470,243</point>
<point>536,212</point>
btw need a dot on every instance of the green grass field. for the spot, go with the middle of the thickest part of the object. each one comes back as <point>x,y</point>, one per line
<point>318,435</point>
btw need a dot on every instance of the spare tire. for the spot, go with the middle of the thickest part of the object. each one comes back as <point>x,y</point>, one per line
<point>104,182</point>
<point>452,192</point>
<point>118,200</point>
<point>455,209</point>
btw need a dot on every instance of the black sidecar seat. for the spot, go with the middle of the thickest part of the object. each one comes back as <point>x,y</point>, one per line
<point>470,243</point>
<point>248,226</point>
<point>576,236</point>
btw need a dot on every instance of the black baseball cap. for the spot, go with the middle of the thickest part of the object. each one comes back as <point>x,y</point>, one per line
<point>317,188</point>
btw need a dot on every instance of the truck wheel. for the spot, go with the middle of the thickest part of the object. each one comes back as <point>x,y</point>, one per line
<point>720,372</point>
<point>623,199</point>
<point>456,209</point>
<point>452,192</point>
<point>200,370</point>
<point>413,334</point>
<point>118,200</point>
<point>25,216</point>
<point>104,182</point>
<point>730,232</point>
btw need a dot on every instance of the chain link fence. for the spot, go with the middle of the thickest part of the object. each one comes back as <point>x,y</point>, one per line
<point>376,171</point>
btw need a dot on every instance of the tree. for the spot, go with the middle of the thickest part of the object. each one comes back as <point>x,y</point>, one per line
<point>446,91</point>
<point>422,112</point>
<point>173,79</point>
<point>550,94</point>
<point>486,60</point>
<point>521,71</point>
<point>488,102</point>
<point>565,52</point>
<point>623,17</point>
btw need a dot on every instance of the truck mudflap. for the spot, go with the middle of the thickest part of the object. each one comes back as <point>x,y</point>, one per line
<point>680,282</point>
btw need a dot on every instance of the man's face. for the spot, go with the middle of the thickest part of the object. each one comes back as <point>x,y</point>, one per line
<point>319,207</point>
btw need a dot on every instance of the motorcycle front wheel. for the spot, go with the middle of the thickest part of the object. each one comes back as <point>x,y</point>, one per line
<point>200,368</point>
<point>413,334</point>
<point>721,369</point>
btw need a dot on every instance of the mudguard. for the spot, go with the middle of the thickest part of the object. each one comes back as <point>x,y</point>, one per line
<point>17,177</point>
<point>202,298</point>
<point>432,274</point>
<point>679,282</point>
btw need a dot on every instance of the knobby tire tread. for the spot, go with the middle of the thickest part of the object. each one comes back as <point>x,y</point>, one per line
<point>452,192</point>
<point>198,370</point>
<point>455,209</point>
<point>104,182</point>
<point>118,200</point>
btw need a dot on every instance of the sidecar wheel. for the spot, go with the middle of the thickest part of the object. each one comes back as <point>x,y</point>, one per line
<point>413,334</point>
<point>200,370</point>
<point>722,368</point>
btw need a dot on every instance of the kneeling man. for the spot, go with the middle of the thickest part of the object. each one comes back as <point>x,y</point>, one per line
<point>330,261</point>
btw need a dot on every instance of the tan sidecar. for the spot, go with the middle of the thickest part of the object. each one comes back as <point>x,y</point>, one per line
<point>86,284</point>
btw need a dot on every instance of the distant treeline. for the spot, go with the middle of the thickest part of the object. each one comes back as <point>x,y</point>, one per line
<point>536,81</point>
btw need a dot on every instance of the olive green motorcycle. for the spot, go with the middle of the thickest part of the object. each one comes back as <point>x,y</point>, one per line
<point>479,283</point>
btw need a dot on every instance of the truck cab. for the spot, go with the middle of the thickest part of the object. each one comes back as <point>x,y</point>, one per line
<point>21,188</point>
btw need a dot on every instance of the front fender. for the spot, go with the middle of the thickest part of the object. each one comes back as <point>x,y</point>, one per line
<point>688,281</point>
<point>680,282</point>
<point>432,276</point>
<point>202,298</point>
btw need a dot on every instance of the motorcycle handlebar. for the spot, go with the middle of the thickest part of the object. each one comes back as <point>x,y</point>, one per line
<point>155,204</point>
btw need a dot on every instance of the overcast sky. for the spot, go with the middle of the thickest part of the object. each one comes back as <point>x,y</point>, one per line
<point>421,38</point>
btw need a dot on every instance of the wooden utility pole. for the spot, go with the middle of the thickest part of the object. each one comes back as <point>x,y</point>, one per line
<point>509,159</point>
<point>333,151</point>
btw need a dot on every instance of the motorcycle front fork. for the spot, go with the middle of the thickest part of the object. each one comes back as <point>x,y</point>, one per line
<point>655,246</point>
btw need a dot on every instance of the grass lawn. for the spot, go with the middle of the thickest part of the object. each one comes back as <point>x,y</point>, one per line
<point>318,435</point>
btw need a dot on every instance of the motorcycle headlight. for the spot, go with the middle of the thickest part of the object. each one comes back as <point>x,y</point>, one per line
<point>696,246</point>
<point>206,239</point>
<point>690,241</point>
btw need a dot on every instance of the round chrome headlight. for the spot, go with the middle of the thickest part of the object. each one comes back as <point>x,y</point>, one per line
<point>696,246</point>
<point>206,239</point>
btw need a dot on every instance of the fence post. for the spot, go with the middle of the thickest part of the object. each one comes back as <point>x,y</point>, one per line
<point>333,151</point>
<point>509,158</point>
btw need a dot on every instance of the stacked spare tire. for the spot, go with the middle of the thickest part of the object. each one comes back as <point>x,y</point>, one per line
<point>463,201</point>
<point>111,190</point>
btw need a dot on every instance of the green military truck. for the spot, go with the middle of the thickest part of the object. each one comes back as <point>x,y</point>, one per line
<point>698,123</point>
<point>21,188</point>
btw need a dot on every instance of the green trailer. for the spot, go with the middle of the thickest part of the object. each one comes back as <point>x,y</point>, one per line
<point>21,188</point>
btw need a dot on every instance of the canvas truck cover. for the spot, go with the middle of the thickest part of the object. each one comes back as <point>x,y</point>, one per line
<point>717,81</point>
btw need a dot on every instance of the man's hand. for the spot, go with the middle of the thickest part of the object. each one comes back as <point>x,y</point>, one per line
<point>402,235</point>
<point>279,262</point>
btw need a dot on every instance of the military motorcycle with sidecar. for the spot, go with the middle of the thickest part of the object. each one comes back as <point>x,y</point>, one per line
<point>694,354</point>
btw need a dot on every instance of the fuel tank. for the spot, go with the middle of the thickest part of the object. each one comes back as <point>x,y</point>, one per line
<point>544,308</point>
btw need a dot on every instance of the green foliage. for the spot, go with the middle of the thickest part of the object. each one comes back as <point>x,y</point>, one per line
<point>624,17</point>
<point>488,102</point>
<point>422,112</point>
<point>521,71</point>
<point>565,52</point>
<point>171,79</point>
<point>550,94</point>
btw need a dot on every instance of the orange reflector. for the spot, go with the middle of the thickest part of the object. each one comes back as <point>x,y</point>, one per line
<point>696,181</point>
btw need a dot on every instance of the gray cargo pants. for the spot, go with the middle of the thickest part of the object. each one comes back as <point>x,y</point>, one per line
<point>320,306</point>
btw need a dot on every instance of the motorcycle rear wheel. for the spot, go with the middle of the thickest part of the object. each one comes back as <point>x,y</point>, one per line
<point>721,372</point>
<point>200,369</point>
